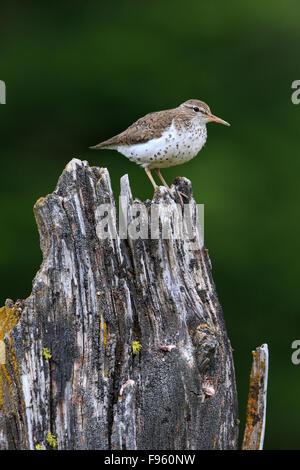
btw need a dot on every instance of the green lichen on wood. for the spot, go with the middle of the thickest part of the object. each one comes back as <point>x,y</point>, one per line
<point>51,441</point>
<point>136,347</point>
<point>46,353</point>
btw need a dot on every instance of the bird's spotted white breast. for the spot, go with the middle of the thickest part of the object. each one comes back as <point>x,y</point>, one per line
<point>175,146</point>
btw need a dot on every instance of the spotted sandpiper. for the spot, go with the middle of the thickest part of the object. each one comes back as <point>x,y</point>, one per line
<point>164,138</point>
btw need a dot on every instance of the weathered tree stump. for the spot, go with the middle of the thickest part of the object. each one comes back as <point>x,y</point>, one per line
<point>122,342</point>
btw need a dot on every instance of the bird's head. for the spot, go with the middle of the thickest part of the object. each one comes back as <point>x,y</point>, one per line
<point>199,111</point>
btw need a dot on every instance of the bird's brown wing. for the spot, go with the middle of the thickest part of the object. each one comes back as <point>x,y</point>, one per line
<point>148,127</point>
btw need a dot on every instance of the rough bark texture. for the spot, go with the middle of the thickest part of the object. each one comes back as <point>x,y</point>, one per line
<point>71,378</point>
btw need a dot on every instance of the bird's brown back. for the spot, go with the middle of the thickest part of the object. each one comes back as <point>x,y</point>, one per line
<point>148,127</point>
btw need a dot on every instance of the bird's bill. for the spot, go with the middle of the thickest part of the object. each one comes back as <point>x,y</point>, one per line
<point>219,120</point>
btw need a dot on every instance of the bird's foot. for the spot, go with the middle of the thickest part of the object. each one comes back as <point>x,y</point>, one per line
<point>183,194</point>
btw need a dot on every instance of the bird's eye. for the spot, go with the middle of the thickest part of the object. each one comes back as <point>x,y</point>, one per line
<point>196,109</point>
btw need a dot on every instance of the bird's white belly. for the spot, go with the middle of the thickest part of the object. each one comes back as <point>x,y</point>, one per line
<point>172,148</point>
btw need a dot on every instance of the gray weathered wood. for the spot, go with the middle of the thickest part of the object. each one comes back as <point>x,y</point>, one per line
<point>70,369</point>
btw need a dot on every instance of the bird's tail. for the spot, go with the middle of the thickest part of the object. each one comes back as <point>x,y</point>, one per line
<point>106,144</point>
<point>98,146</point>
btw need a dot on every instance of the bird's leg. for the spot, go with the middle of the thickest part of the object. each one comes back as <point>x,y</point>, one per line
<point>157,171</point>
<point>148,171</point>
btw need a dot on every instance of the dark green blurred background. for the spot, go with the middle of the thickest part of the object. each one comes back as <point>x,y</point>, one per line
<point>79,72</point>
